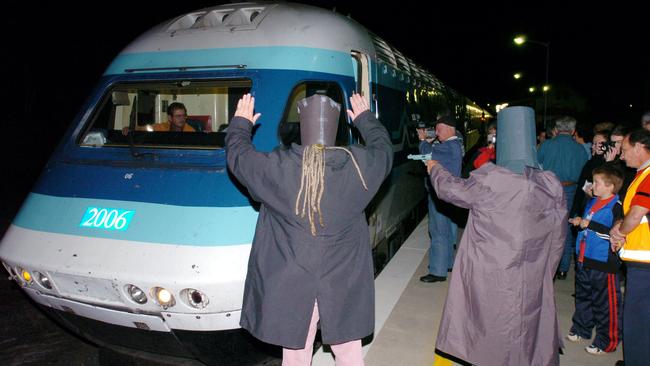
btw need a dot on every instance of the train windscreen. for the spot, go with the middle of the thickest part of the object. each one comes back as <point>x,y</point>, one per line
<point>182,114</point>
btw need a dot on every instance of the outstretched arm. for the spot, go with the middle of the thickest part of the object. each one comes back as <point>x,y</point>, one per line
<point>460,192</point>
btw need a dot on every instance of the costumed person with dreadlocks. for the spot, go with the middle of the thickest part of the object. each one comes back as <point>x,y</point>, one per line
<point>311,257</point>
<point>500,307</point>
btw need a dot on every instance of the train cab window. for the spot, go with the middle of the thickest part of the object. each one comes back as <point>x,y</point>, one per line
<point>137,113</point>
<point>289,129</point>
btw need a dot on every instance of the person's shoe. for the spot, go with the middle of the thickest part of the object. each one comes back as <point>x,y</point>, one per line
<point>574,337</point>
<point>593,350</point>
<point>561,275</point>
<point>432,278</point>
<point>620,363</point>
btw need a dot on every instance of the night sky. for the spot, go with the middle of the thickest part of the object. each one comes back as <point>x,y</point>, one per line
<point>602,54</point>
<point>53,54</point>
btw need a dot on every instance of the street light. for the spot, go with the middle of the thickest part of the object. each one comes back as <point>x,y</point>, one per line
<point>531,89</point>
<point>520,40</point>
<point>517,76</point>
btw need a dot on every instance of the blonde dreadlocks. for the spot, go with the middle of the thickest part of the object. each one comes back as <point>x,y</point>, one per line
<point>312,182</point>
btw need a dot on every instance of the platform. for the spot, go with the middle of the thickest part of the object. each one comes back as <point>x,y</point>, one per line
<point>408,313</point>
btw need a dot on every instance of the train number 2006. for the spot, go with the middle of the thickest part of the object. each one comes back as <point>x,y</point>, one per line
<point>106,218</point>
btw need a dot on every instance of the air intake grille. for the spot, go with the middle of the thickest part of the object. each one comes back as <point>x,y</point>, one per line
<point>245,17</point>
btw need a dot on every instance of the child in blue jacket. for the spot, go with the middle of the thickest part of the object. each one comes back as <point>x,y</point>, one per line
<point>598,294</point>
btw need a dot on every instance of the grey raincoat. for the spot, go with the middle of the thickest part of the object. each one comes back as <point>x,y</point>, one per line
<point>288,268</point>
<point>500,309</point>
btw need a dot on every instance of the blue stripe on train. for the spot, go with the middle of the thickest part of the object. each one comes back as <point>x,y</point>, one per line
<point>294,59</point>
<point>277,58</point>
<point>198,186</point>
<point>152,223</point>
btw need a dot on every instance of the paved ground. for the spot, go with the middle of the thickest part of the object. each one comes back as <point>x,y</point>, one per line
<point>28,337</point>
<point>408,335</point>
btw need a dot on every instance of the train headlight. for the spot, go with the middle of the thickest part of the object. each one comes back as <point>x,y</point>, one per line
<point>43,280</point>
<point>136,294</point>
<point>26,275</point>
<point>164,297</point>
<point>195,298</point>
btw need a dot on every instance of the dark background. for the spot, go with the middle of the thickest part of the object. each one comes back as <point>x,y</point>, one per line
<point>54,53</point>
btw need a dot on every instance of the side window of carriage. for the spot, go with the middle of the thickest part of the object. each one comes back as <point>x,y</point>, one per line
<point>289,128</point>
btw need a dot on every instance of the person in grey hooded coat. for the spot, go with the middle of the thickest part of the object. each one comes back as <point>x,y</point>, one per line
<point>311,253</point>
<point>500,308</point>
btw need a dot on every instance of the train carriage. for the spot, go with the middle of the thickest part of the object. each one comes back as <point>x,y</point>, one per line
<point>139,238</point>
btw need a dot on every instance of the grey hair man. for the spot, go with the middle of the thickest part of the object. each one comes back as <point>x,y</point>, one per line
<point>565,158</point>
<point>565,125</point>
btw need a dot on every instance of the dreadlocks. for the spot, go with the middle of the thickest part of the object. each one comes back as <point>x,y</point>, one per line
<point>312,182</point>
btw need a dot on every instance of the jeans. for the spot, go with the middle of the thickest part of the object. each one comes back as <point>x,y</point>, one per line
<point>443,233</point>
<point>569,240</point>
<point>636,317</point>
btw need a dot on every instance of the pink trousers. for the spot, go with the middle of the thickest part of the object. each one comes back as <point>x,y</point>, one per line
<point>347,354</point>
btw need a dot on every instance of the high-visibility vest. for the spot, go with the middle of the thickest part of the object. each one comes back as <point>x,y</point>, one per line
<point>637,242</point>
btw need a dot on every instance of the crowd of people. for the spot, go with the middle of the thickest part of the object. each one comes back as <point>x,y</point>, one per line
<point>537,203</point>
<point>602,172</point>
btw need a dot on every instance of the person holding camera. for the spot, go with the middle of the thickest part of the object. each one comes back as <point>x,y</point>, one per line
<point>599,147</point>
<point>442,230</point>
<point>613,156</point>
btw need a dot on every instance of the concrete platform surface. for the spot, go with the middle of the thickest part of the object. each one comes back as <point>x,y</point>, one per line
<point>406,335</point>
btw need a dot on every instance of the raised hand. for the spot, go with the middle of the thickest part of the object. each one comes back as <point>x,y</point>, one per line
<point>422,135</point>
<point>359,105</point>
<point>246,107</point>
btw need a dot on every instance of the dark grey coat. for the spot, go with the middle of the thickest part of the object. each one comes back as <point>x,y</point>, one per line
<point>500,308</point>
<point>288,268</point>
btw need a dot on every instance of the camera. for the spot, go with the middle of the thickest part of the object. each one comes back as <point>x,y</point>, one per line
<point>607,145</point>
<point>430,132</point>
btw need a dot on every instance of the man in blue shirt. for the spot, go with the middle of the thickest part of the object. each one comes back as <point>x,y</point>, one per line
<point>564,157</point>
<point>449,153</point>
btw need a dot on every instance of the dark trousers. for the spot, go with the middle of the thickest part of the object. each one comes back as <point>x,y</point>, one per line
<point>598,303</point>
<point>636,343</point>
<point>569,239</point>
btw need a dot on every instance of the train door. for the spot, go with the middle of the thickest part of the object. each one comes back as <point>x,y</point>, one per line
<point>361,66</point>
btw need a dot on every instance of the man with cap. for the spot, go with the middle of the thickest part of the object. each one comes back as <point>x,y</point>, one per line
<point>311,257</point>
<point>500,307</point>
<point>442,230</point>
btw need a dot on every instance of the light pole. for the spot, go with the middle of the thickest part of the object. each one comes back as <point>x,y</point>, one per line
<point>519,40</point>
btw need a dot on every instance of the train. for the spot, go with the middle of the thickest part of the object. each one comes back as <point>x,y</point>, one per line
<point>140,239</point>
